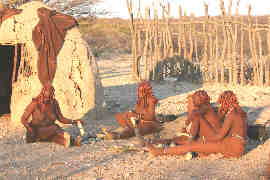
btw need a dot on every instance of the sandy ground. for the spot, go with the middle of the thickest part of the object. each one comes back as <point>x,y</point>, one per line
<point>112,160</point>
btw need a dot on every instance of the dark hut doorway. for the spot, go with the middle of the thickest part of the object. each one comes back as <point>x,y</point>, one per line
<point>9,63</point>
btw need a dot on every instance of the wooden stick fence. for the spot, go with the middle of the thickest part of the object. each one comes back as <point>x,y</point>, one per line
<point>222,49</point>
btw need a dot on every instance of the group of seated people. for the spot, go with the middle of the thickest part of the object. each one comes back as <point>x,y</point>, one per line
<point>206,131</point>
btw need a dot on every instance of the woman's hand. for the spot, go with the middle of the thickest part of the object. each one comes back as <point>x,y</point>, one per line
<point>79,120</point>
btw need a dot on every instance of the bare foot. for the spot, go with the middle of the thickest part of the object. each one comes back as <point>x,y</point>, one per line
<point>109,135</point>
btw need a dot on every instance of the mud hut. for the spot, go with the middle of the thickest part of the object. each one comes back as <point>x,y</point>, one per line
<point>75,78</point>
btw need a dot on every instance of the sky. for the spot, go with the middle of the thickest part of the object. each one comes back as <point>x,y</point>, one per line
<point>118,8</point>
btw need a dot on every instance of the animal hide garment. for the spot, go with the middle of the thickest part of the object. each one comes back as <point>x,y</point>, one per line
<point>48,37</point>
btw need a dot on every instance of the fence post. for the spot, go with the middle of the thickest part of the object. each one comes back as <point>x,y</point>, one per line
<point>191,38</point>
<point>242,72</point>
<point>252,48</point>
<point>234,55</point>
<point>132,25</point>
<point>260,62</point>
<point>217,54</point>
<point>222,78</point>
<point>205,54</point>
<point>180,32</point>
<point>267,70</point>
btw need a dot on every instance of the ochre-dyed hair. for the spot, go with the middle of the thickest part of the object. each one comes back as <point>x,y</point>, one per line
<point>227,100</point>
<point>41,97</point>
<point>144,91</point>
<point>200,97</point>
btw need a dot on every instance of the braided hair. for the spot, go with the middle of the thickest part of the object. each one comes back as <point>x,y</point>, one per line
<point>41,97</point>
<point>228,100</point>
<point>200,97</point>
<point>144,91</point>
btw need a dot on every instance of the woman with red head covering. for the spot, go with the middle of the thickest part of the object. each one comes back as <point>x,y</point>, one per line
<point>45,111</point>
<point>229,140</point>
<point>144,112</point>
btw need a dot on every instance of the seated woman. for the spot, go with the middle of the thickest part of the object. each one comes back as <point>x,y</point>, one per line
<point>200,115</point>
<point>45,110</point>
<point>144,112</point>
<point>229,140</point>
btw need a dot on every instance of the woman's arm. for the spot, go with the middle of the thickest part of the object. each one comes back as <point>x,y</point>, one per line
<point>148,113</point>
<point>223,131</point>
<point>27,112</point>
<point>152,105</point>
<point>60,116</point>
<point>195,126</point>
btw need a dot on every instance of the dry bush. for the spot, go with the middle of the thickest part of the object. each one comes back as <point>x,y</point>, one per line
<point>106,35</point>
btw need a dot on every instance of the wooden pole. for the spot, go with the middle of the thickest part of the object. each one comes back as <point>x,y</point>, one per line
<point>191,37</point>
<point>222,78</point>
<point>235,66</point>
<point>242,72</point>
<point>260,59</point>
<point>146,44</point>
<point>267,68</point>
<point>205,56</point>
<point>184,37</point>
<point>217,54</point>
<point>256,58</point>
<point>180,32</point>
<point>132,26</point>
<point>15,64</point>
<point>252,49</point>
<point>156,47</point>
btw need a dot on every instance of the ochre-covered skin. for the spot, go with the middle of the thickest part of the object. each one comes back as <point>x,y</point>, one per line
<point>203,111</point>
<point>199,117</point>
<point>145,107</point>
<point>45,111</point>
<point>229,140</point>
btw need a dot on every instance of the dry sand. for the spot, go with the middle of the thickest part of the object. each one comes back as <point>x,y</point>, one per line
<point>104,160</point>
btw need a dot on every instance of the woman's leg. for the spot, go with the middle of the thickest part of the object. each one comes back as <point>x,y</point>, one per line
<point>181,150</point>
<point>148,128</point>
<point>126,133</point>
<point>62,138</point>
<point>122,119</point>
<point>44,133</point>
<point>181,140</point>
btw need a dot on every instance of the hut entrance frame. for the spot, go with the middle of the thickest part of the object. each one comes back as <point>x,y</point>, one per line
<point>9,66</point>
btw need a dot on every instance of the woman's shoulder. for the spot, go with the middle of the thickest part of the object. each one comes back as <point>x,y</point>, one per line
<point>237,113</point>
<point>33,103</point>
